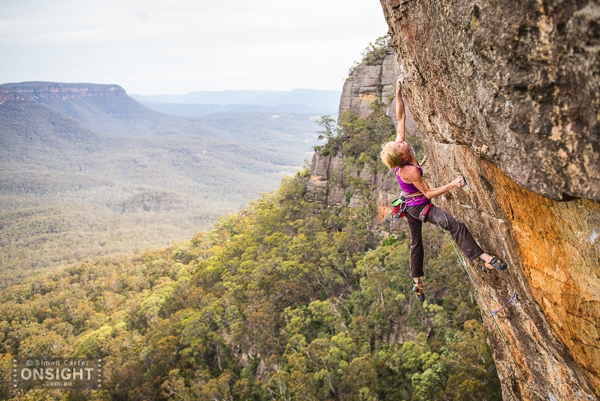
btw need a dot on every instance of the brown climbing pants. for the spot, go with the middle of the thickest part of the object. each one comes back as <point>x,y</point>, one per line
<point>458,231</point>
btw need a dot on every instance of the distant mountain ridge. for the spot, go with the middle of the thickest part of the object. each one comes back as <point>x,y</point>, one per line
<point>109,108</point>
<point>105,108</point>
<point>57,90</point>
<point>208,102</point>
<point>196,110</point>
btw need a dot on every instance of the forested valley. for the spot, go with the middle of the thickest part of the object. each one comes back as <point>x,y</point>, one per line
<point>285,300</point>
<point>100,175</point>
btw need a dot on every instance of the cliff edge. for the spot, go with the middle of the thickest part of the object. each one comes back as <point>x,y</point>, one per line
<point>507,94</point>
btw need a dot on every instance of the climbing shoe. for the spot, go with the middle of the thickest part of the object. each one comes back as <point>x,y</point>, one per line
<point>418,289</point>
<point>496,264</point>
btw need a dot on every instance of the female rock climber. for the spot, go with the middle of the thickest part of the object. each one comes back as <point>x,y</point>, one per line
<point>396,155</point>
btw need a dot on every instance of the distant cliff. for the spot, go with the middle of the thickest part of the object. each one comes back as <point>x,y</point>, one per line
<point>508,95</point>
<point>63,91</point>
<point>7,95</point>
<point>104,108</point>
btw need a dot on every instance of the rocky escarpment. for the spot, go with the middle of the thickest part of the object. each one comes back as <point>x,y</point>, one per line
<point>7,95</point>
<point>507,94</point>
<point>104,108</point>
<point>53,90</point>
<point>371,81</point>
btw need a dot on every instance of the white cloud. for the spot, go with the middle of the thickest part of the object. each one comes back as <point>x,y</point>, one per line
<point>180,46</point>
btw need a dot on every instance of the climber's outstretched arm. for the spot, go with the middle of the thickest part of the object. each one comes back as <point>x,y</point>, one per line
<point>400,112</point>
<point>412,175</point>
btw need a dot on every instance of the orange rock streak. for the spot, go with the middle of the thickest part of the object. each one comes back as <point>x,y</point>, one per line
<point>560,256</point>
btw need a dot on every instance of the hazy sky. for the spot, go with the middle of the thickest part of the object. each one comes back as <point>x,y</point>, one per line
<point>179,46</point>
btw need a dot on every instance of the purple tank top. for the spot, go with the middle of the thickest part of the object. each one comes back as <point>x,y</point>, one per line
<point>411,189</point>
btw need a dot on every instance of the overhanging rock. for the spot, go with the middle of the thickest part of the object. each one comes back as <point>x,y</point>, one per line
<point>507,94</point>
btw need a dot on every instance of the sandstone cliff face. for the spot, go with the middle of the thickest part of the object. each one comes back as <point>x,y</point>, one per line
<point>507,94</point>
<point>104,108</point>
<point>51,90</point>
<point>368,83</point>
<point>8,95</point>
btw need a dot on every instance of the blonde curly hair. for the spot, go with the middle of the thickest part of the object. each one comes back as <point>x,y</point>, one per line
<point>391,157</point>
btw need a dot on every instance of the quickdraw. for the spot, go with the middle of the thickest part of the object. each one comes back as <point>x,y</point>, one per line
<point>514,296</point>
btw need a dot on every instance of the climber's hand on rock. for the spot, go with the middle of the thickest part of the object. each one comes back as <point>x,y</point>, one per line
<point>401,74</point>
<point>459,182</point>
<point>399,84</point>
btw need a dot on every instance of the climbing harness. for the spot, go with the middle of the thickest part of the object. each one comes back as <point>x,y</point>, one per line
<point>400,204</point>
<point>514,296</point>
<point>491,314</point>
